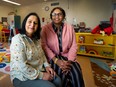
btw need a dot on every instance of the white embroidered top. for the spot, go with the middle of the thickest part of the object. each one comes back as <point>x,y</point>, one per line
<point>27,58</point>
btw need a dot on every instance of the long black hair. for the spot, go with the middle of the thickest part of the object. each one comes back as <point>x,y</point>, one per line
<point>36,35</point>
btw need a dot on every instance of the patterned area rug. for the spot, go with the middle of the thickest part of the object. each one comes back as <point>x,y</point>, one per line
<point>102,77</point>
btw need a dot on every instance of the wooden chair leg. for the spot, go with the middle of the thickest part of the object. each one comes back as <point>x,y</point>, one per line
<point>2,36</point>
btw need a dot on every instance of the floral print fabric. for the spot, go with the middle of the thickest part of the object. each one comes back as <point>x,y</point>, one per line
<point>27,58</point>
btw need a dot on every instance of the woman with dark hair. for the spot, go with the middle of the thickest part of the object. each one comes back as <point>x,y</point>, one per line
<point>29,66</point>
<point>59,44</point>
<point>37,33</point>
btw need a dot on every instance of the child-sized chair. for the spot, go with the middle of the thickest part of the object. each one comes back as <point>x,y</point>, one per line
<point>2,34</point>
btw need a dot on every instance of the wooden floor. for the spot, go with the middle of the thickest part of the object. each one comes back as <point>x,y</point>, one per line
<point>86,70</point>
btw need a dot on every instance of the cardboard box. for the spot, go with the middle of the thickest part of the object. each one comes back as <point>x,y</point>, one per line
<point>5,80</point>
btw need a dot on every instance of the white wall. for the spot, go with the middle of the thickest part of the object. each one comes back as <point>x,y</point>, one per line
<point>4,11</point>
<point>89,11</point>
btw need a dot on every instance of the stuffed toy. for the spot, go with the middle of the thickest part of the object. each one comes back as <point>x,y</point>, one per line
<point>104,28</point>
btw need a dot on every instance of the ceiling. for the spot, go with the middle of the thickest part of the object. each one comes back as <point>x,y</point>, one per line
<point>28,2</point>
<point>24,2</point>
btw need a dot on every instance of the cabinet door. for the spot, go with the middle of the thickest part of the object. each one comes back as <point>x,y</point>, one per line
<point>17,20</point>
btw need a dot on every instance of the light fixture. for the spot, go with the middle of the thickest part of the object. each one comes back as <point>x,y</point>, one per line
<point>45,0</point>
<point>11,2</point>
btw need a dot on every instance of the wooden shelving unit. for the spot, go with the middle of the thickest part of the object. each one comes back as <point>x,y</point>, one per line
<point>87,47</point>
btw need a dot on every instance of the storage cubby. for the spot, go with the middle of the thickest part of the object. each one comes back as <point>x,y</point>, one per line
<point>96,45</point>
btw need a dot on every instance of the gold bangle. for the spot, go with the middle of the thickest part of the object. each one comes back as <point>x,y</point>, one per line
<point>55,60</point>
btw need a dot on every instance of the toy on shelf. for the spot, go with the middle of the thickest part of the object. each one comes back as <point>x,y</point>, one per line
<point>82,49</point>
<point>102,32</point>
<point>98,41</point>
<point>81,39</point>
<point>92,51</point>
<point>107,53</point>
<point>111,44</point>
